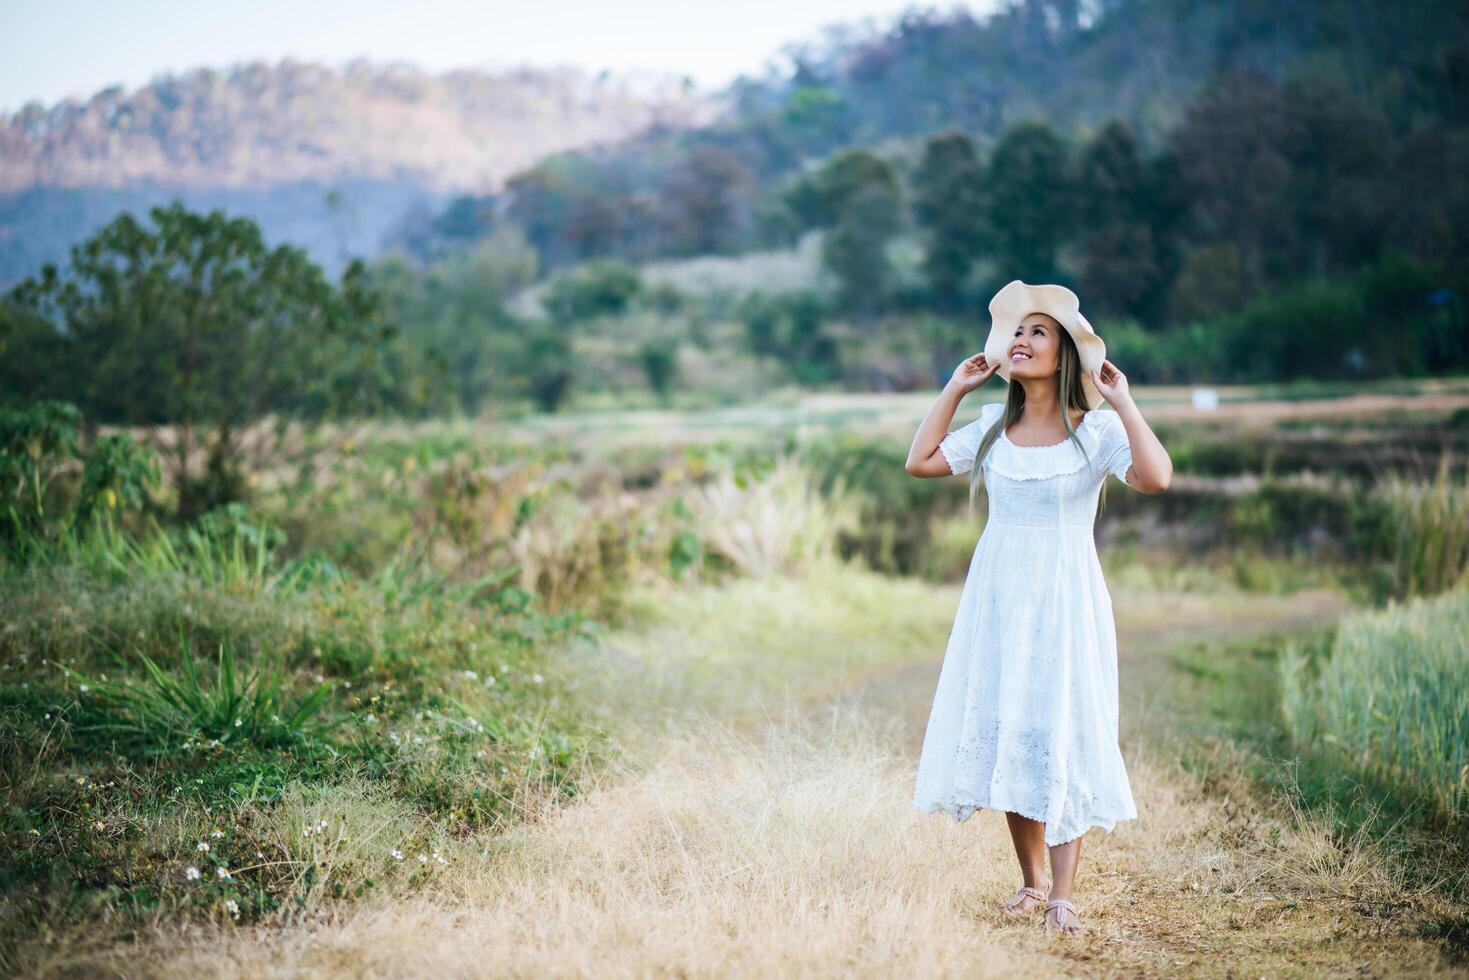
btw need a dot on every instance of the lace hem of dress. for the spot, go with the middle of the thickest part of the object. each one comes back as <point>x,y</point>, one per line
<point>954,454</point>
<point>962,811</point>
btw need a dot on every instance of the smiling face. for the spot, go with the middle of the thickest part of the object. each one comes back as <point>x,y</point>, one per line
<point>1035,349</point>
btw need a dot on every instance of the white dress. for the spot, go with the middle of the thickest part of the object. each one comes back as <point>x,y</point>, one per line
<point>1024,718</point>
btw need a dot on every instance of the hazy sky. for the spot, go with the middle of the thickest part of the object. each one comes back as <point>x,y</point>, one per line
<point>51,49</point>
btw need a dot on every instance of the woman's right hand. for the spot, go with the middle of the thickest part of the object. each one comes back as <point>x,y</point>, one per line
<point>973,372</point>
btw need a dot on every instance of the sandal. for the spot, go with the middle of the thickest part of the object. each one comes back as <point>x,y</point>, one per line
<point>1012,907</point>
<point>1062,906</point>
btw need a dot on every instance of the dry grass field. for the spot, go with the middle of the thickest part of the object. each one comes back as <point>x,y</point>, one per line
<point>762,827</point>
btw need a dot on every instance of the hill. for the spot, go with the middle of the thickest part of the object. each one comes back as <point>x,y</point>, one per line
<point>274,141</point>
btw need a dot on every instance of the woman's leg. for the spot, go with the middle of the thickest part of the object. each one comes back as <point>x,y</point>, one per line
<point>1064,860</point>
<point>1029,838</point>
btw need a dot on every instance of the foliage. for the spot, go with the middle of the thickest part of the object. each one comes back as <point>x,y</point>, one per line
<point>1390,699</point>
<point>456,335</point>
<point>950,205</point>
<point>197,325</point>
<point>40,492</point>
<point>599,288</point>
<point>163,714</point>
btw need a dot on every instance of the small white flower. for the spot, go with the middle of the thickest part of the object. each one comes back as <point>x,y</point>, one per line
<point>224,874</point>
<point>423,859</point>
<point>85,689</point>
<point>239,722</point>
<point>233,907</point>
<point>537,678</point>
<point>490,681</point>
<point>216,834</point>
<point>191,873</point>
<point>471,675</point>
<point>397,854</point>
<point>203,846</point>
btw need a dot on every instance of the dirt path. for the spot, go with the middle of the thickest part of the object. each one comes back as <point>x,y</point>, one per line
<point>790,848</point>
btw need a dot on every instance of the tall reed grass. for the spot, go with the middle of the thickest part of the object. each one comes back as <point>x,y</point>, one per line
<point>1390,699</point>
<point>1427,530</point>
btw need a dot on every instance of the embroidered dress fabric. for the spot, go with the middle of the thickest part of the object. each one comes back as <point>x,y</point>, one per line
<point>1025,715</point>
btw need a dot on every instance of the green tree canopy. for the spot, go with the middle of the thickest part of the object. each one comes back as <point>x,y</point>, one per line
<point>195,328</point>
<point>949,205</point>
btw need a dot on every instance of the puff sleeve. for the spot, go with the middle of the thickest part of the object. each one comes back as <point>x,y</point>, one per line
<point>1114,448</point>
<point>960,446</point>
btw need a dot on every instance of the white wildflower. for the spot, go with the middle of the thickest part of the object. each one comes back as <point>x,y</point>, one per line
<point>471,675</point>
<point>233,907</point>
<point>537,678</point>
<point>397,854</point>
<point>191,873</point>
<point>203,846</point>
<point>224,874</point>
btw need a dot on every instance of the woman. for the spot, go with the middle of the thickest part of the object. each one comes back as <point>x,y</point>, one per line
<point>1024,718</point>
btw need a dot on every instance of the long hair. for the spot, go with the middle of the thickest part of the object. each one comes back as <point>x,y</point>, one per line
<point>1069,387</point>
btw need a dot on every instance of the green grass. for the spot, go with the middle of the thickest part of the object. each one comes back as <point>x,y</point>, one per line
<point>1231,719</point>
<point>122,748</point>
<point>1389,700</point>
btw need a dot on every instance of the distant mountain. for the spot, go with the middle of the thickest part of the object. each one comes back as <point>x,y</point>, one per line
<point>326,158</point>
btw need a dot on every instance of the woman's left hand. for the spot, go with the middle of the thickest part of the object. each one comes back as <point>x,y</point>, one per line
<point>1111,382</point>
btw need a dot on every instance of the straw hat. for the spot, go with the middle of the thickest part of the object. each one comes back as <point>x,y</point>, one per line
<point>1018,300</point>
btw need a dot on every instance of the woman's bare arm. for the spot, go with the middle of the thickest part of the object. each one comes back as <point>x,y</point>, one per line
<point>924,458</point>
<point>1152,468</point>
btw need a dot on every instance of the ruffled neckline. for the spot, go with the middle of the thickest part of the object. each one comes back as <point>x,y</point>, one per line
<point>1080,426</point>
<point>1043,462</point>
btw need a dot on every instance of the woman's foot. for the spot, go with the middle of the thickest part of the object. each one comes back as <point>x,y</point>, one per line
<point>1061,917</point>
<point>1026,900</point>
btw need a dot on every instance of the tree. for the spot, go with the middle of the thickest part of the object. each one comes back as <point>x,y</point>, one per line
<point>602,287</point>
<point>456,334</point>
<point>1231,147</point>
<point>659,359</point>
<point>857,197</point>
<point>1029,202</point>
<point>196,329</point>
<point>708,201</point>
<point>949,204</point>
<point>1127,215</point>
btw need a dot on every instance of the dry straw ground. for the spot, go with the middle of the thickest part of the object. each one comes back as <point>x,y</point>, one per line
<point>783,844</point>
